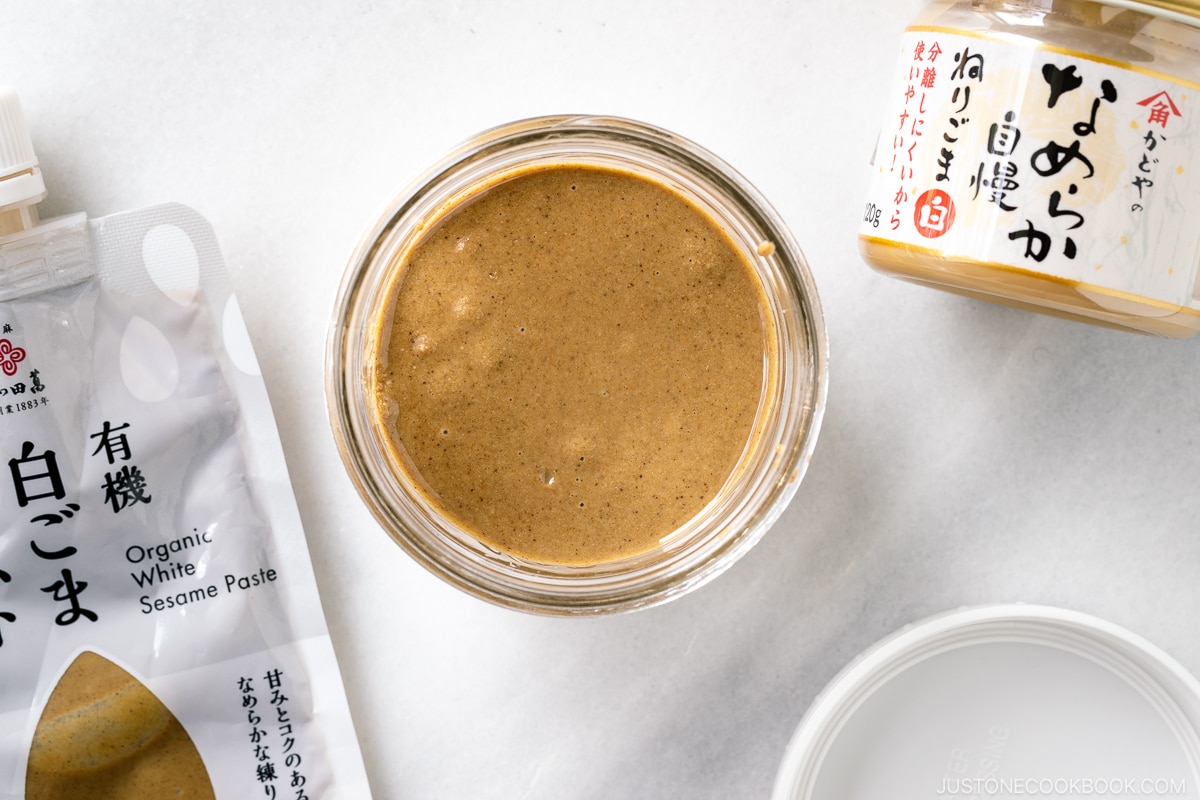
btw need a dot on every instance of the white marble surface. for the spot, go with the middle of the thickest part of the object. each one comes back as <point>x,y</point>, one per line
<point>970,453</point>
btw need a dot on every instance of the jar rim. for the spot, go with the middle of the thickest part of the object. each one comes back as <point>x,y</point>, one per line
<point>627,583</point>
<point>1186,11</point>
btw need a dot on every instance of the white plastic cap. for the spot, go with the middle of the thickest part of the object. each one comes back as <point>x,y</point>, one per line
<point>20,179</point>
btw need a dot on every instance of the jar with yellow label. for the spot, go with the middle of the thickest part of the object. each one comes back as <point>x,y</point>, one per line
<point>1045,154</point>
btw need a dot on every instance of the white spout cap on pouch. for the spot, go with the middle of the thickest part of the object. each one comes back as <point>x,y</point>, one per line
<point>20,179</point>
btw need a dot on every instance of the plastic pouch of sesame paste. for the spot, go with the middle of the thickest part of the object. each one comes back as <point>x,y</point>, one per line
<point>160,630</point>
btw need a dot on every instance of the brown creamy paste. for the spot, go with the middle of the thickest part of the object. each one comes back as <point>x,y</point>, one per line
<point>104,736</point>
<point>572,362</point>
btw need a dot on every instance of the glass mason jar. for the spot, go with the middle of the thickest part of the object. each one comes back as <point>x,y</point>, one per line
<point>775,455</point>
<point>1042,154</point>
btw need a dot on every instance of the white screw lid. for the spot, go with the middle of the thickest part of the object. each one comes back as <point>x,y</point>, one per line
<point>20,179</point>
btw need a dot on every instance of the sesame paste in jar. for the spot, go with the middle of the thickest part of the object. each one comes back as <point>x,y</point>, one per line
<point>571,362</point>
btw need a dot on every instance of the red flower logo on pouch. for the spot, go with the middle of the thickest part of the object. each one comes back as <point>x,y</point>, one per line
<point>10,356</point>
<point>933,214</point>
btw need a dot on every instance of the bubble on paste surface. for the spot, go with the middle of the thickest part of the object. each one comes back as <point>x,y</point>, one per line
<point>172,262</point>
<point>237,338</point>
<point>149,366</point>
